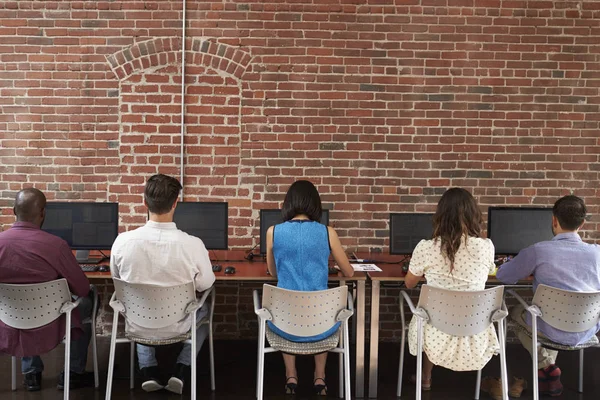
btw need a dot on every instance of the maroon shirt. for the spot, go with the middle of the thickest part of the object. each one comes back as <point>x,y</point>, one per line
<point>30,255</point>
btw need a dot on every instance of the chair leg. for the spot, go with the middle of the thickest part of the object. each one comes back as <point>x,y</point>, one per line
<point>261,360</point>
<point>534,356</point>
<point>348,393</point>
<point>94,344</point>
<point>580,389</point>
<point>13,362</point>
<point>111,355</point>
<point>260,322</point>
<point>67,373</point>
<point>419,357</point>
<point>210,338</point>
<point>401,363</point>
<point>477,385</point>
<point>212,357</point>
<point>503,368</point>
<point>132,365</point>
<point>342,345</point>
<point>194,356</point>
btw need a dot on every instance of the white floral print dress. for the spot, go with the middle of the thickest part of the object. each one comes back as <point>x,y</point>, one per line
<point>473,262</point>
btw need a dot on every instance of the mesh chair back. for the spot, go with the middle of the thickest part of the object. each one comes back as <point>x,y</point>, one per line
<point>460,313</point>
<point>566,310</point>
<point>151,306</point>
<point>304,313</point>
<point>32,305</point>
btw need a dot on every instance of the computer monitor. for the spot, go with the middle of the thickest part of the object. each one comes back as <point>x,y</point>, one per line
<point>271,217</point>
<point>407,230</point>
<point>84,226</point>
<point>205,220</point>
<point>512,229</point>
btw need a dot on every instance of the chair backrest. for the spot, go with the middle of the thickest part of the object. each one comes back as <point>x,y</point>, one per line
<point>151,306</point>
<point>566,310</point>
<point>33,305</point>
<point>460,313</point>
<point>304,313</point>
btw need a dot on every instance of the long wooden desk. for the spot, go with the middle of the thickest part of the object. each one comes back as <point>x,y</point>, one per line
<point>392,273</point>
<point>256,271</point>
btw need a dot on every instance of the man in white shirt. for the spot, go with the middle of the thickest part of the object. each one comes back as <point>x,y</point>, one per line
<point>160,254</point>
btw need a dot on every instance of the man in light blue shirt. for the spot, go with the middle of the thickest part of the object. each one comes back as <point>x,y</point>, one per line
<point>565,262</point>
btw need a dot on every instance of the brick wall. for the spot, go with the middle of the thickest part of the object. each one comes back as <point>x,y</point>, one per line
<point>382,106</point>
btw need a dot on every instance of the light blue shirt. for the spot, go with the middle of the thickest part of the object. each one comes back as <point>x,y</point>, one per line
<point>565,262</point>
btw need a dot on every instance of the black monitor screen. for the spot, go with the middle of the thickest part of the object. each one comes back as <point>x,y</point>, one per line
<point>271,217</point>
<point>207,221</point>
<point>84,226</point>
<point>512,229</point>
<point>407,230</point>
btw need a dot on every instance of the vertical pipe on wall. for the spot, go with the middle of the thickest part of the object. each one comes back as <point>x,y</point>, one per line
<point>183,22</point>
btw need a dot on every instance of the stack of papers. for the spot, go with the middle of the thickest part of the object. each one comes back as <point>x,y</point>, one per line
<point>366,268</point>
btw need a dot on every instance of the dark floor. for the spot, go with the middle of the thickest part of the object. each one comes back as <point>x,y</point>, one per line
<point>236,375</point>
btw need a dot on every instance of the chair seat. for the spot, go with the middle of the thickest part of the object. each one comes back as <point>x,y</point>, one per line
<point>164,342</point>
<point>286,346</point>
<point>547,343</point>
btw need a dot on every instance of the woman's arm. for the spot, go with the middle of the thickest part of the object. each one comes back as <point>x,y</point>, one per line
<point>411,280</point>
<point>339,255</point>
<point>270,259</point>
<point>418,262</point>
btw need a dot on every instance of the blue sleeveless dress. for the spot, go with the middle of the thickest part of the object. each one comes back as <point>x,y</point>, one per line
<point>301,251</point>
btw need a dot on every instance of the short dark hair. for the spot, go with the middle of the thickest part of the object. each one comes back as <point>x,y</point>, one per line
<point>570,212</point>
<point>302,198</point>
<point>161,193</point>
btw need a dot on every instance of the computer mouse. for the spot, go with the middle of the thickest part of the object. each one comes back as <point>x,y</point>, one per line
<point>217,268</point>
<point>230,270</point>
<point>104,268</point>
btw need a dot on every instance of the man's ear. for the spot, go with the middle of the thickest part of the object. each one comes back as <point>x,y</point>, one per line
<point>175,204</point>
<point>555,223</point>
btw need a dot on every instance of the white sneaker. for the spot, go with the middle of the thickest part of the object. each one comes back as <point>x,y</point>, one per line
<point>175,385</point>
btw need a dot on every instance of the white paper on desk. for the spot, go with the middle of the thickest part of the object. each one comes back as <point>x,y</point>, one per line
<point>366,268</point>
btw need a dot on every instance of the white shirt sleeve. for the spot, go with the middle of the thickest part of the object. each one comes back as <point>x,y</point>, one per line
<point>115,259</point>
<point>490,257</point>
<point>205,277</point>
<point>420,258</point>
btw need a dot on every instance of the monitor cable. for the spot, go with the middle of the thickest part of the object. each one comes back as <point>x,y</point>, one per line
<point>250,256</point>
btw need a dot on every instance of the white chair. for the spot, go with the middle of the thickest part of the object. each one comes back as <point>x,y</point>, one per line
<point>31,306</point>
<point>565,310</point>
<point>304,314</point>
<point>156,307</point>
<point>455,313</point>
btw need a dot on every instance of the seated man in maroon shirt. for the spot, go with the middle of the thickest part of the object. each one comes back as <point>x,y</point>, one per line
<point>30,255</point>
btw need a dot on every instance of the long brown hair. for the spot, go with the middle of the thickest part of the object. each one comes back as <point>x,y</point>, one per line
<point>457,215</point>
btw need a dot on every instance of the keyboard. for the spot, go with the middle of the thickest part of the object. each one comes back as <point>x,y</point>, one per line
<point>89,267</point>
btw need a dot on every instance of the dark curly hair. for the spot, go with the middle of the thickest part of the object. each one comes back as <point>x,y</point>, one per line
<point>457,215</point>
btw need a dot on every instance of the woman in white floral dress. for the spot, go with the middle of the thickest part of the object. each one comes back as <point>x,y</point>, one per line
<point>457,258</point>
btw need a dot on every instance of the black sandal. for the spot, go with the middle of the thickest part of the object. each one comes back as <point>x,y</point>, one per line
<point>319,389</point>
<point>290,388</point>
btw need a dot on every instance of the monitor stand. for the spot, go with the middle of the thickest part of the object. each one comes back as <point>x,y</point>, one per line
<point>83,257</point>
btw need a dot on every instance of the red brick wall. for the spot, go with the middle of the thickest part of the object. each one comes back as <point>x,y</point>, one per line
<point>382,106</point>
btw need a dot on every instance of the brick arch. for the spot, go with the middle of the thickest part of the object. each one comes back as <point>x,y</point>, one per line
<point>163,51</point>
<point>149,75</point>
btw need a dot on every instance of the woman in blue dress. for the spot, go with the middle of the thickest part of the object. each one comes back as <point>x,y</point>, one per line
<point>298,254</point>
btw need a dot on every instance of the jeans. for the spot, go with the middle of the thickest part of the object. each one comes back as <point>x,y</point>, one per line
<point>546,357</point>
<point>147,356</point>
<point>79,346</point>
